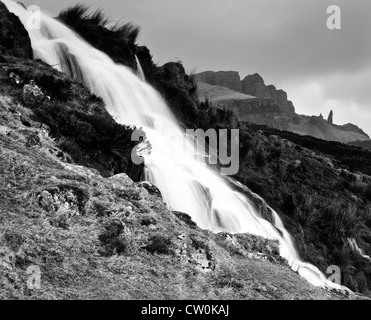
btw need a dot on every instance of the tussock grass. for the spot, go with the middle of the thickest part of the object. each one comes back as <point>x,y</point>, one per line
<point>115,39</point>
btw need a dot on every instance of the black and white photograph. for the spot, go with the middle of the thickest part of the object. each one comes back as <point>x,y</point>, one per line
<point>185,157</point>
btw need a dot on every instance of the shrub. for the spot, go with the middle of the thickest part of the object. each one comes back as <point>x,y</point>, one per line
<point>226,276</point>
<point>112,239</point>
<point>158,244</point>
<point>13,239</point>
<point>69,146</point>
<point>260,155</point>
<point>116,40</point>
<point>361,282</point>
<point>307,214</point>
<point>339,222</point>
<point>92,140</point>
<point>358,187</point>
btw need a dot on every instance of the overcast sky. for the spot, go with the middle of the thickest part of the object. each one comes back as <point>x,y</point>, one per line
<point>286,41</point>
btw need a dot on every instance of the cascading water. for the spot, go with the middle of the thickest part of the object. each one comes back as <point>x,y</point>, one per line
<point>186,184</point>
<point>140,72</point>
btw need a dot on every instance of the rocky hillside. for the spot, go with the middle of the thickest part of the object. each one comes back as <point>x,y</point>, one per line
<point>72,203</point>
<point>252,85</point>
<point>110,238</point>
<point>94,234</point>
<point>364,144</point>
<point>265,105</point>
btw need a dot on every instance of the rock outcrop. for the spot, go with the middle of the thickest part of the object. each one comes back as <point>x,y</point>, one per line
<point>228,79</point>
<point>330,118</point>
<point>260,104</point>
<point>255,86</point>
<point>14,40</point>
<point>252,85</point>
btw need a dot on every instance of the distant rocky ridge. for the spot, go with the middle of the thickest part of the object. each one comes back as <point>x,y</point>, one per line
<point>255,102</point>
<point>252,85</point>
<point>227,79</point>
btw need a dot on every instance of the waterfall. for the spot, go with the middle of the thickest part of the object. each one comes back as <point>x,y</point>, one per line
<point>140,72</point>
<point>186,183</point>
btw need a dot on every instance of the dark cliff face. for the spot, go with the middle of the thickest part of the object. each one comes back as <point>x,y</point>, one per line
<point>272,108</point>
<point>255,86</point>
<point>251,85</point>
<point>228,79</point>
<point>14,40</point>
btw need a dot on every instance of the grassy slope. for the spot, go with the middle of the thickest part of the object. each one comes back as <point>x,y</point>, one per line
<point>352,158</point>
<point>321,203</point>
<point>217,93</point>
<point>102,238</point>
<point>75,117</point>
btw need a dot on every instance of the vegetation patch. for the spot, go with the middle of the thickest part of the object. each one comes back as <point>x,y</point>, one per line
<point>159,244</point>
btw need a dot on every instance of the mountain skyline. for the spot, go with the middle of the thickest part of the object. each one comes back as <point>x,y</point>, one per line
<point>286,42</point>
